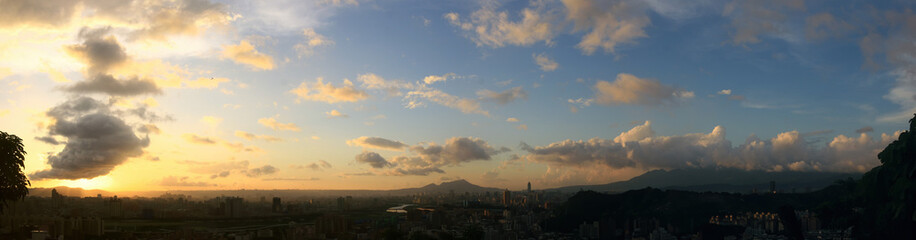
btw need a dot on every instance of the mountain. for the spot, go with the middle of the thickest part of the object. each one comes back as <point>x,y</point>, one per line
<point>719,180</point>
<point>68,191</point>
<point>457,186</point>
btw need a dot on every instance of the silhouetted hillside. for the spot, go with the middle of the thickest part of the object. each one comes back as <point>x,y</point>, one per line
<point>719,180</point>
<point>67,191</point>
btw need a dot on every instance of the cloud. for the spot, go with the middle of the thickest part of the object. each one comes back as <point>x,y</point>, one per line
<point>97,141</point>
<point>275,125</point>
<point>336,114</point>
<point>640,148</point>
<point>292,179</point>
<point>238,147</point>
<point>865,129</point>
<point>48,139</point>
<point>504,97</point>
<point>220,175</point>
<point>194,138</point>
<point>245,53</point>
<point>173,181</point>
<point>261,171</point>
<point>629,89</point>
<point>545,63</point>
<point>316,166</point>
<point>427,158</point>
<point>522,127</point>
<point>107,84</point>
<point>377,143</point>
<point>102,52</point>
<point>321,92</point>
<point>22,13</point>
<point>824,25</point>
<point>608,23</point>
<point>99,50</point>
<point>221,168</point>
<point>251,137</point>
<point>312,41</point>
<point>419,92</point>
<point>373,159</point>
<point>753,18</point>
<point>462,104</point>
<point>898,51</point>
<point>512,119</point>
<point>725,92</point>
<point>211,120</point>
<point>487,27</point>
<point>440,78</point>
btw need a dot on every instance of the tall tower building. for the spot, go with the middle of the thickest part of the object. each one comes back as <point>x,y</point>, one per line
<point>277,206</point>
<point>507,197</point>
<point>529,187</point>
<point>772,186</point>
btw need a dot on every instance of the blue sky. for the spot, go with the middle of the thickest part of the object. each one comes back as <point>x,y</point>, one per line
<point>389,94</point>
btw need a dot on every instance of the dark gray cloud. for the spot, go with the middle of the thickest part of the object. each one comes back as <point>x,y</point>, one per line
<point>865,129</point>
<point>504,97</point>
<point>221,175</point>
<point>99,51</point>
<point>107,84</point>
<point>97,141</point>
<point>48,139</point>
<point>377,143</point>
<point>49,13</point>
<point>431,158</point>
<point>264,170</point>
<point>373,159</point>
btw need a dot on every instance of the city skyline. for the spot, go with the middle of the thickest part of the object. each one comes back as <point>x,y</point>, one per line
<point>352,94</point>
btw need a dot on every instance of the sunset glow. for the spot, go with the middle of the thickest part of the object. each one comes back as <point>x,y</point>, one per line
<point>371,94</point>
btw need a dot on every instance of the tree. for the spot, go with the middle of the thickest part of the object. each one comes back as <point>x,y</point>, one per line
<point>13,183</point>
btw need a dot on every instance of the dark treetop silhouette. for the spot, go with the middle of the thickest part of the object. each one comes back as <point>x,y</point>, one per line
<point>13,183</point>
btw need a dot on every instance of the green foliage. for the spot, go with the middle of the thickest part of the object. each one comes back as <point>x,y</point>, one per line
<point>13,183</point>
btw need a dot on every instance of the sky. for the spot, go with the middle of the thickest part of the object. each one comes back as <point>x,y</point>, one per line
<point>368,94</point>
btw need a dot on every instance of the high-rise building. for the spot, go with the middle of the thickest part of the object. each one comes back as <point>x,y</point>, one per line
<point>507,197</point>
<point>277,206</point>
<point>529,187</point>
<point>772,186</point>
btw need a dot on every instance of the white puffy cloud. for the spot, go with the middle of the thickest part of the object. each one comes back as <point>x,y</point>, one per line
<point>245,53</point>
<point>326,92</point>
<point>312,40</point>
<point>336,114</point>
<point>546,64</point>
<point>251,136</point>
<point>609,23</point>
<point>487,27</point>
<point>272,123</point>
<point>438,78</point>
<point>640,148</point>
<point>629,89</point>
